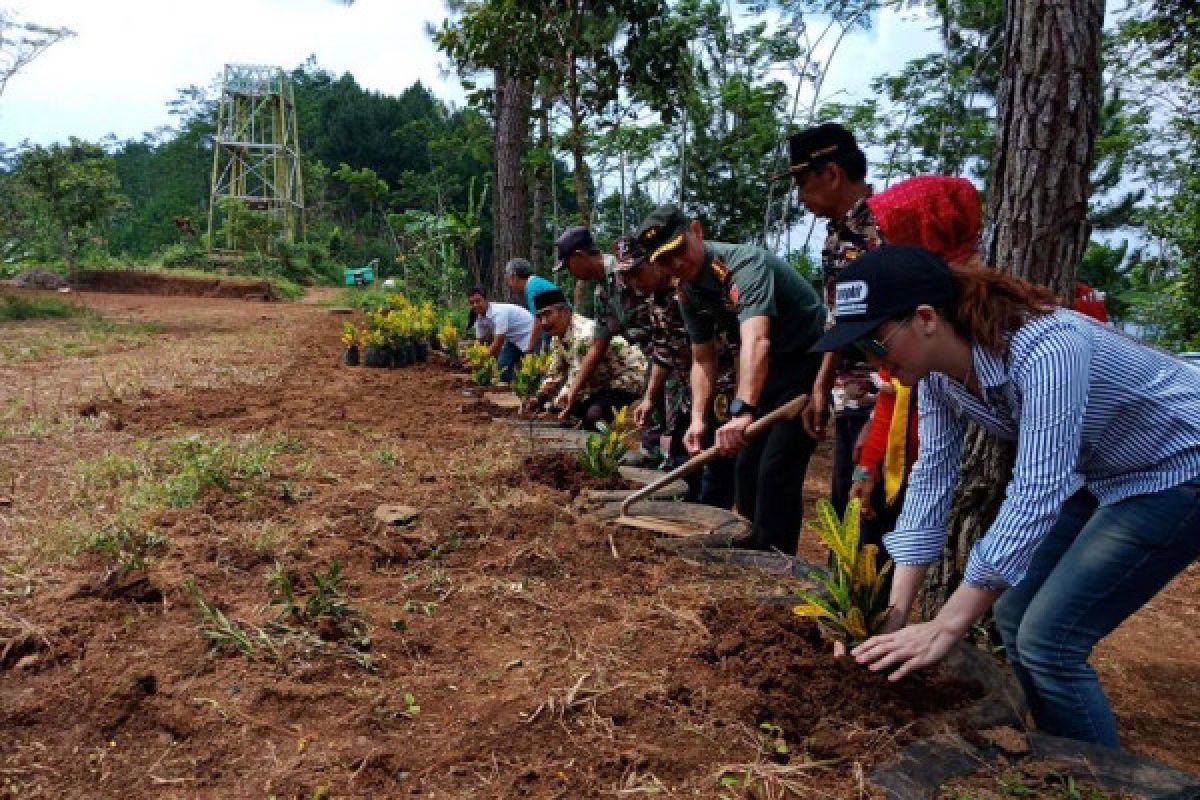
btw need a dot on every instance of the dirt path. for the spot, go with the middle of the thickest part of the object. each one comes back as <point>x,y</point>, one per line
<point>513,649</point>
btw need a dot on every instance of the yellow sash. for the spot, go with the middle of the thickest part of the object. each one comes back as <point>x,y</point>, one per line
<point>895,457</point>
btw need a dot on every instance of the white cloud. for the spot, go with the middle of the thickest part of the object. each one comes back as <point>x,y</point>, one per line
<point>131,56</point>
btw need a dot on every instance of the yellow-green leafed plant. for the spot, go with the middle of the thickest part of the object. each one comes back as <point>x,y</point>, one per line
<point>448,336</point>
<point>602,452</point>
<point>853,605</point>
<point>484,368</point>
<point>353,336</point>
<point>529,375</point>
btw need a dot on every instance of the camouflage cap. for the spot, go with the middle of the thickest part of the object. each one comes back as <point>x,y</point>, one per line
<point>629,255</point>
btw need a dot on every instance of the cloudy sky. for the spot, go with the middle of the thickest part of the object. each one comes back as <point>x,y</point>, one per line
<point>130,57</point>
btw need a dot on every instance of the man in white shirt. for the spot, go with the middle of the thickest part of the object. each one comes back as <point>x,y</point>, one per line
<point>509,327</point>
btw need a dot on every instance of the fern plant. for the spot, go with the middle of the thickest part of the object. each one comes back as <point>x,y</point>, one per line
<point>853,603</point>
<point>602,451</point>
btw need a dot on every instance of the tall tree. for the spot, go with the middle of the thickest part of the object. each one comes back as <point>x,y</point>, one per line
<point>74,187</point>
<point>1048,107</point>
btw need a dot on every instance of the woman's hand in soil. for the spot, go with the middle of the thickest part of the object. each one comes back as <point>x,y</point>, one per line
<point>908,649</point>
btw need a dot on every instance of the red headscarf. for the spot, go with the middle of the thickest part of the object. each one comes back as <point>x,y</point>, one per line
<point>938,212</point>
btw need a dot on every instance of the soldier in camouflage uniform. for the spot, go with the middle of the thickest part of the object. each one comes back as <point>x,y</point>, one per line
<point>670,352</point>
<point>616,307</point>
<point>830,172</point>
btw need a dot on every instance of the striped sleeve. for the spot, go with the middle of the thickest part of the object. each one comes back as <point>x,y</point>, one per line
<point>1052,377</point>
<point>920,532</point>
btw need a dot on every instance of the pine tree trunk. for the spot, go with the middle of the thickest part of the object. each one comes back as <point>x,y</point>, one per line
<point>1048,109</point>
<point>582,288</point>
<point>510,204</point>
<point>541,190</point>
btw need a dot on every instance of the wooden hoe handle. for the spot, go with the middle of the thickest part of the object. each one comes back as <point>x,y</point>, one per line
<point>788,411</point>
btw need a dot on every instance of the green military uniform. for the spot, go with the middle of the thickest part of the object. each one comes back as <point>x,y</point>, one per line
<point>671,349</point>
<point>619,309</point>
<point>734,284</point>
<point>741,281</point>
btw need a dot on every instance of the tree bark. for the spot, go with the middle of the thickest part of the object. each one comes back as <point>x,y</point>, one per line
<point>541,189</point>
<point>580,165</point>
<point>1048,111</point>
<point>510,204</point>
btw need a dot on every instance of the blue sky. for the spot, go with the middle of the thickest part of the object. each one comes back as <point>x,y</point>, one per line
<point>130,56</point>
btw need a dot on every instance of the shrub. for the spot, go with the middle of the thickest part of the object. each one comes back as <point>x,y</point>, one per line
<point>854,604</point>
<point>603,451</point>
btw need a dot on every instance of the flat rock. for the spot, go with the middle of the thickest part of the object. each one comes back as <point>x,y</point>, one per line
<point>390,514</point>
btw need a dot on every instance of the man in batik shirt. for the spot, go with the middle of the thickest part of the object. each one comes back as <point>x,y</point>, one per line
<point>670,354</point>
<point>830,173</point>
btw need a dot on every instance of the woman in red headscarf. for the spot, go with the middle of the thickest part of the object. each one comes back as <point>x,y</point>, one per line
<point>942,214</point>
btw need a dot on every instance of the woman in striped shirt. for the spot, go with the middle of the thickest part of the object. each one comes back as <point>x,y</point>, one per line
<point>1103,507</point>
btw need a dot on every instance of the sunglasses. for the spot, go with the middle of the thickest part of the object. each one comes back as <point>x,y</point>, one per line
<point>870,346</point>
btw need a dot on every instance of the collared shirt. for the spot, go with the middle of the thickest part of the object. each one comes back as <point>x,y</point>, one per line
<point>623,365</point>
<point>846,239</point>
<point>534,286</point>
<point>1087,407</point>
<point>505,319</point>
<point>740,281</point>
<point>619,309</point>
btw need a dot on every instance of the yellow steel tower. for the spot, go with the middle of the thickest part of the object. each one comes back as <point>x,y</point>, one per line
<point>256,154</point>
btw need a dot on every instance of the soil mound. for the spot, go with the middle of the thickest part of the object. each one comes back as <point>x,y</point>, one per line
<point>561,471</point>
<point>39,279</point>
<point>157,283</point>
<point>792,683</point>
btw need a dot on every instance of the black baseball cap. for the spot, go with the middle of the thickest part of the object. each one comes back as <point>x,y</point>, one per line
<point>884,284</point>
<point>573,239</point>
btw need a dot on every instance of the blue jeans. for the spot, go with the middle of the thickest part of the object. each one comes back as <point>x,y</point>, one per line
<point>1095,568</point>
<point>510,356</point>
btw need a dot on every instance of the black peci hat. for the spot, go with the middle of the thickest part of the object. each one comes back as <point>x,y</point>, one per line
<point>813,146</point>
<point>548,298</point>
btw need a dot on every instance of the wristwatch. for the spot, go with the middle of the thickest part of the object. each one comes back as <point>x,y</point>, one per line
<point>861,473</point>
<point>740,406</point>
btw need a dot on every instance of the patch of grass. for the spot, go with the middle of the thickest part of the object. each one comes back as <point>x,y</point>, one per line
<point>129,489</point>
<point>60,328</point>
<point>385,456</point>
<point>13,307</point>
<point>127,545</point>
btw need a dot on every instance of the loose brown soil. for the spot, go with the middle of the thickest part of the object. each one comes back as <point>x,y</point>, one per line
<point>547,659</point>
<point>1031,778</point>
<point>561,471</point>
